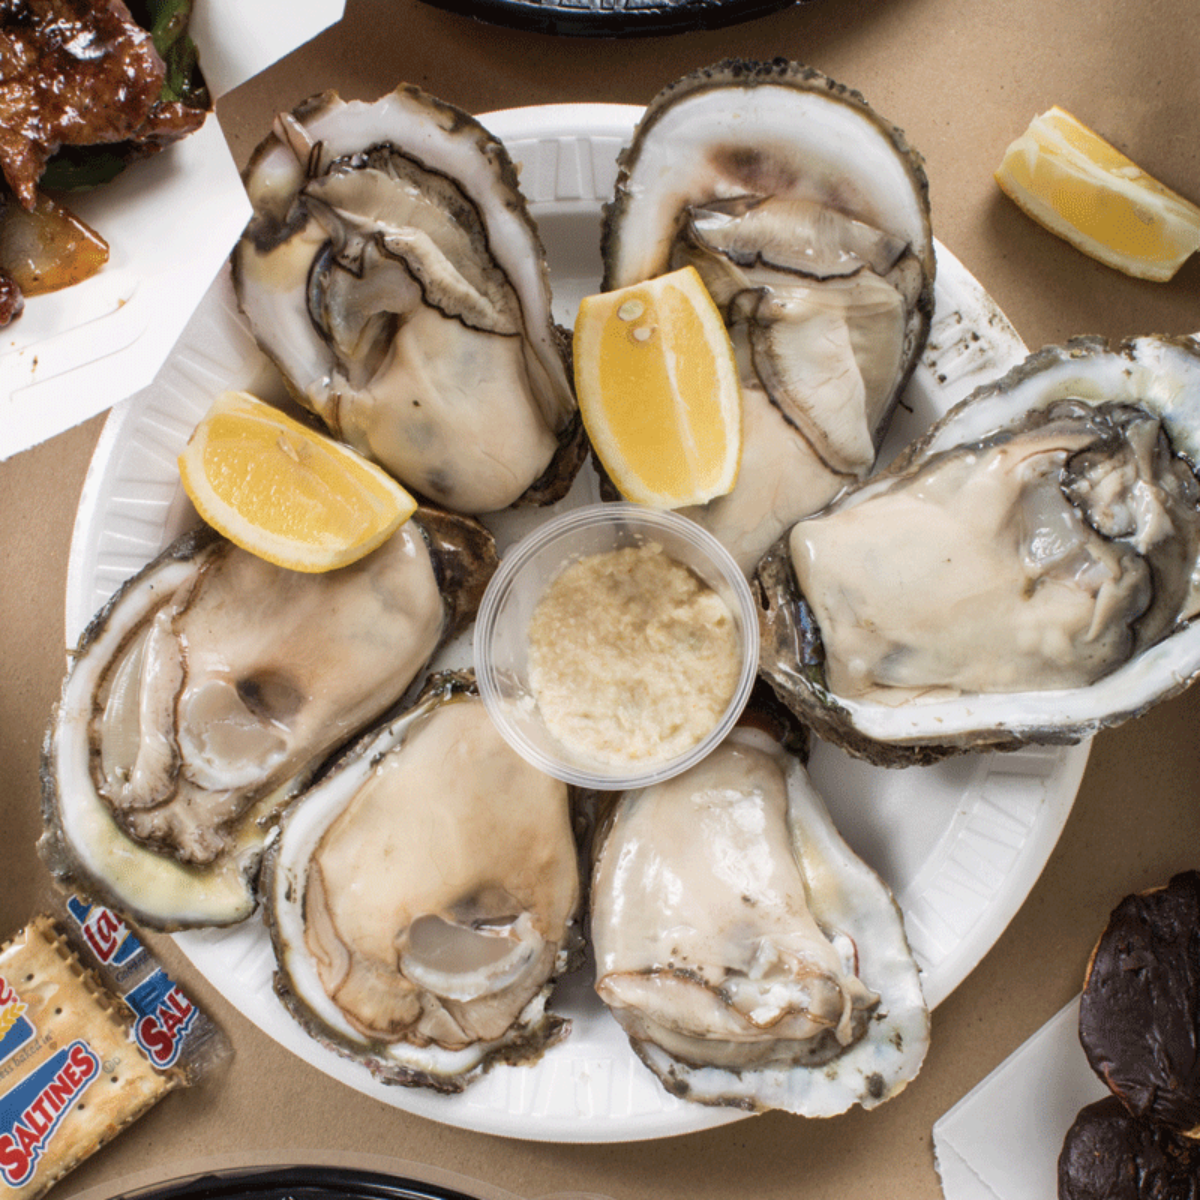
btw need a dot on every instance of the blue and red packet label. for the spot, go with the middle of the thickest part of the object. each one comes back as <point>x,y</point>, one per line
<point>70,1074</point>
<point>171,1030</point>
<point>164,1018</point>
<point>33,1110</point>
<point>168,1027</point>
<point>110,940</point>
<point>93,1032</point>
<point>16,1032</point>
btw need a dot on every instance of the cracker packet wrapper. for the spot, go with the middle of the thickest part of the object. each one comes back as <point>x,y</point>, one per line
<point>93,1033</point>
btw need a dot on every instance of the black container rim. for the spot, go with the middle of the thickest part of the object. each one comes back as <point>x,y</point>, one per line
<point>613,18</point>
<point>296,1182</point>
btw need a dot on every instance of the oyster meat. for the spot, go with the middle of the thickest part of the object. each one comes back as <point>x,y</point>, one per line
<point>1028,571</point>
<point>751,957</point>
<point>807,216</point>
<point>392,272</point>
<point>209,690</point>
<point>423,896</point>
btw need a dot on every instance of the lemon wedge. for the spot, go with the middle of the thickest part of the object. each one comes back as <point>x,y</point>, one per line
<point>1069,179</point>
<point>284,491</point>
<point>658,390</point>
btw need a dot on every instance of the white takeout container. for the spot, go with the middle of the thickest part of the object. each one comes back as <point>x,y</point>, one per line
<point>170,222</point>
<point>502,639</point>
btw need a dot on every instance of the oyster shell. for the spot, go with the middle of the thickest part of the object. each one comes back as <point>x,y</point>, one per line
<point>392,272</point>
<point>212,686</point>
<point>807,215</point>
<point>423,895</point>
<point>751,957</point>
<point>1028,571</point>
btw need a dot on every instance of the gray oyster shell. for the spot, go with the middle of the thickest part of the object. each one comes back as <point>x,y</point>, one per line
<point>442,962</point>
<point>752,958</point>
<point>1160,376</point>
<point>393,273</point>
<point>807,215</point>
<point>206,693</point>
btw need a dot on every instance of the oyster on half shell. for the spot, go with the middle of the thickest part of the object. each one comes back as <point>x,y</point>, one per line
<point>212,686</point>
<point>1028,571</point>
<point>422,897</point>
<point>752,958</point>
<point>807,216</point>
<point>392,272</point>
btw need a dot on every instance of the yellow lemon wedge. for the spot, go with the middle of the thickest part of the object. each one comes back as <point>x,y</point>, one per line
<point>286,492</point>
<point>1069,179</point>
<point>658,390</point>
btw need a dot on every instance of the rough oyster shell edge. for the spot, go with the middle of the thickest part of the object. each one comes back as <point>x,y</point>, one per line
<point>1161,372</point>
<point>847,896</point>
<point>748,74</point>
<point>81,843</point>
<point>446,1072</point>
<point>552,340</point>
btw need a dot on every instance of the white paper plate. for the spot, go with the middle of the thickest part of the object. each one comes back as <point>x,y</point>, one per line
<point>961,843</point>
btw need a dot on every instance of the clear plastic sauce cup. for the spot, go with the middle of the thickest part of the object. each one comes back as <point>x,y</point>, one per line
<point>501,639</point>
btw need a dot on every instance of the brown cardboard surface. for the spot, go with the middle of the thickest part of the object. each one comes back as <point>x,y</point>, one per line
<point>962,80</point>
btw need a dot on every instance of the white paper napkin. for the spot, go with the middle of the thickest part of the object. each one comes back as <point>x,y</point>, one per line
<point>1001,1141</point>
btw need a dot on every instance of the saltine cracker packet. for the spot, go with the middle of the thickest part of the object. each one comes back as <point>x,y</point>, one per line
<point>93,1033</point>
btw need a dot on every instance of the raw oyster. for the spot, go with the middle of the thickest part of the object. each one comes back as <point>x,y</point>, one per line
<point>423,896</point>
<point>750,956</point>
<point>1025,572</point>
<point>209,690</point>
<point>807,215</point>
<point>393,273</point>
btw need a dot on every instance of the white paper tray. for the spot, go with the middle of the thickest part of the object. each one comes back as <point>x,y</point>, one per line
<point>1002,1140</point>
<point>170,222</point>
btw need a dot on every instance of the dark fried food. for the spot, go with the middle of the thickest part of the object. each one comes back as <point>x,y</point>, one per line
<point>11,301</point>
<point>84,89</point>
<point>1110,1155</point>
<point>1139,1016</point>
<point>78,73</point>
